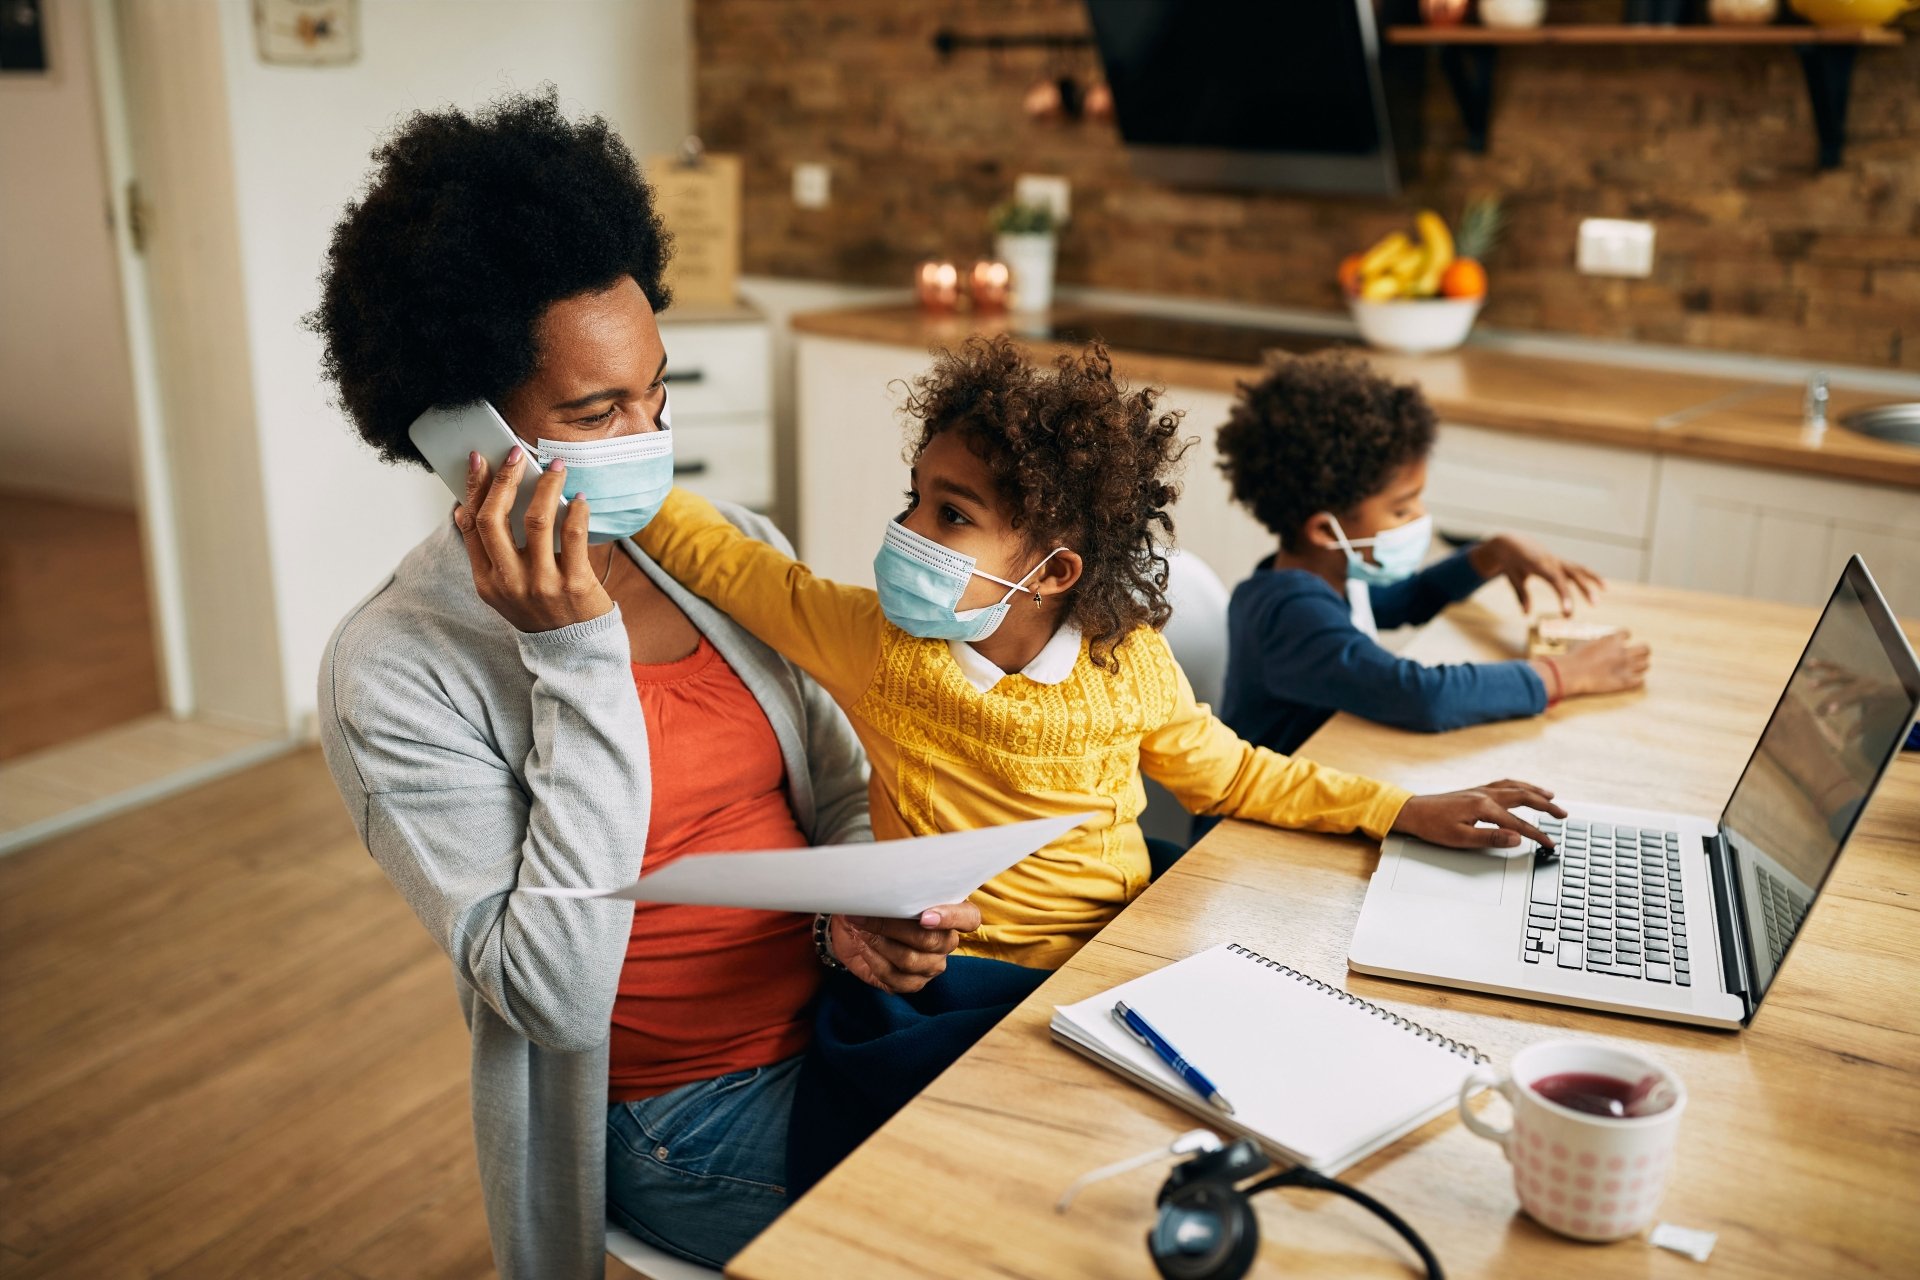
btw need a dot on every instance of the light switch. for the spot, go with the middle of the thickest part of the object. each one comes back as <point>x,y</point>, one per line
<point>1615,247</point>
<point>812,185</point>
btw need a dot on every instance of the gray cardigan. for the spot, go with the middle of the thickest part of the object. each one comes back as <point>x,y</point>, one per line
<point>477,760</point>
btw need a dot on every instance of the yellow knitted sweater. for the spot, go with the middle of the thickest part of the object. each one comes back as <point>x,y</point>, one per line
<point>946,757</point>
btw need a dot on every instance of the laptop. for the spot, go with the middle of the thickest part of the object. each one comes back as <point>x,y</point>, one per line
<point>1667,915</point>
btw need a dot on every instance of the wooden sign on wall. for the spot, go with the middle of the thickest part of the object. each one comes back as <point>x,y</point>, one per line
<point>700,204</point>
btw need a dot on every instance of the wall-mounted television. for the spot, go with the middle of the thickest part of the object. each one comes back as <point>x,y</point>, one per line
<point>1291,95</point>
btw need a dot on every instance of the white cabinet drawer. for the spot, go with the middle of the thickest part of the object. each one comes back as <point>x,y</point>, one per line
<point>717,370</point>
<point>729,459</point>
<point>1543,484</point>
<point>1619,560</point>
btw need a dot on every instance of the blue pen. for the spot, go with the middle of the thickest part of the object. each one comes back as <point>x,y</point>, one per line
<point>1142,1030</point>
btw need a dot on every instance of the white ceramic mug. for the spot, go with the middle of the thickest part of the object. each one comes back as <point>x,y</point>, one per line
<point>1586,1176</point>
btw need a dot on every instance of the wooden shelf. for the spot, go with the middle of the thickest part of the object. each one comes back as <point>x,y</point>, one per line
<point>1467,56</point>
<point>1624,35</point>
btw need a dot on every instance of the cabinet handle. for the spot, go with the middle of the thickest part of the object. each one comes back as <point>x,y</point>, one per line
<point>691,467</point>
<point>685,375</point>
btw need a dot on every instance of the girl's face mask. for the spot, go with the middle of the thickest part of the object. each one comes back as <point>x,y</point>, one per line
<point>1399,551</point>
<point>921,583</point>
<point>624,479</point>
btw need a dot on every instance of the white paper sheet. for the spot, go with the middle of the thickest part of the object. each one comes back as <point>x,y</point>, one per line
<point>891,878</point>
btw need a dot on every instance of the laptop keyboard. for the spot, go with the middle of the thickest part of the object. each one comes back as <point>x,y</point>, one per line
<point>1610,903</point>
<point>1783,910</point>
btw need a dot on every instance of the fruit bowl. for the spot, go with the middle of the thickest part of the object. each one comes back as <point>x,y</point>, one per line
<point>1415,326</point>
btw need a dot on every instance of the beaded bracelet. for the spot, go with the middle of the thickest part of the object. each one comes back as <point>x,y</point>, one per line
<point>823,944</point>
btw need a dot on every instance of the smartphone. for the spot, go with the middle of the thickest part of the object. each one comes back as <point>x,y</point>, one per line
<point>446,436</point>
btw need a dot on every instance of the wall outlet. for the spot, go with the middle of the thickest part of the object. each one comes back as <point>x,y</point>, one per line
<point>1615,247</point>
<point>812,185</point>
<point>1044,189</point>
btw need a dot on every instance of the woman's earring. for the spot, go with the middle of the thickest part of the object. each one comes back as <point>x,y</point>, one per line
<point>1036,599</point>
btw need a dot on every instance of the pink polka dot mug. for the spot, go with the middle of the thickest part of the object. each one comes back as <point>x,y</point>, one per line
<point>1587,1176</point>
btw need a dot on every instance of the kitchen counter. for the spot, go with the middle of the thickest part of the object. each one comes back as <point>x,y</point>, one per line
<point>1696,415</point>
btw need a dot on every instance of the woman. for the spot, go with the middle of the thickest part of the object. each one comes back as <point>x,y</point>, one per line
<point>500,718</point>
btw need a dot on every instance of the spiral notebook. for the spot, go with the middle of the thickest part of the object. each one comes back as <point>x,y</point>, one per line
<point>1315,1075</point>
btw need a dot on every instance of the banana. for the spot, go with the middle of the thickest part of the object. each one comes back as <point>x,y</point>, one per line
<point>1380,288</point>
<point>1386,251</point>
<point>1409,269</point>
<point>1437,241</point>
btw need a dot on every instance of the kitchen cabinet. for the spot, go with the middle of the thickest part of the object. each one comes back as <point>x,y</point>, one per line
<point>720,387</point>
<point>1589,503</point>
<point>1745,531</point>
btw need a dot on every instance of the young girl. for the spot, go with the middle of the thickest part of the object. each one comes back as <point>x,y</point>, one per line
<point>1010,664</point>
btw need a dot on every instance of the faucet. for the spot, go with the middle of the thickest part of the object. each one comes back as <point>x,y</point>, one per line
<point>1814,407</point>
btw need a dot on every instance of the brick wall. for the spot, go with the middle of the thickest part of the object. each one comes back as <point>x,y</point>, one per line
<point>1757,250</point>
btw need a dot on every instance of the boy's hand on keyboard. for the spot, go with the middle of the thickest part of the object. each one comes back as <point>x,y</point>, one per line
<point>901,956</point>
<point>1453,819</point>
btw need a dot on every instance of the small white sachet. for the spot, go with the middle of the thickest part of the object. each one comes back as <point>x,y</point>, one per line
<point>1696,1244</point>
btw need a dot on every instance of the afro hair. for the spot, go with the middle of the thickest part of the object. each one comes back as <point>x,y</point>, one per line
<point>471,226</point>
<point>1319,433</point>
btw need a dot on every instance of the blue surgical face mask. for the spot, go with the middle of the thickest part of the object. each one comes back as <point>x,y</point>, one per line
<point>624,479</point>
<point>921,583</point>
<point>1400,552</point>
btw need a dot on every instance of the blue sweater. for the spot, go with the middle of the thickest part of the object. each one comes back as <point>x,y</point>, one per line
<point>1294,658</point>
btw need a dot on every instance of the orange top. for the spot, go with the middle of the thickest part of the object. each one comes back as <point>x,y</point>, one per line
<point>709,990</point>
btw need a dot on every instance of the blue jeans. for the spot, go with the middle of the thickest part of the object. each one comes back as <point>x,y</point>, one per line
<point>701,1170</point>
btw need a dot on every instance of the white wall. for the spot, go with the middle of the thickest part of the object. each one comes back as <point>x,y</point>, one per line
<point>66,396</point>
<point>337,518</point>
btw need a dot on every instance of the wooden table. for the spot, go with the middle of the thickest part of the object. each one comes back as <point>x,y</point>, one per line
<point>1801,1146</point>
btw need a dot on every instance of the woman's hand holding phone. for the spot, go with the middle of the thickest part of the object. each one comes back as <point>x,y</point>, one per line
<point>532,587</point>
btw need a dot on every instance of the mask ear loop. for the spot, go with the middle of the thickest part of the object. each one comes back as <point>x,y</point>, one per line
<point>1013,587</point>
<point>1301,1176</point>
<point>1347,544</point>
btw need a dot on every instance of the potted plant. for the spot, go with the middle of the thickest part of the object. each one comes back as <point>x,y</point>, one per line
<point>1025,236</point>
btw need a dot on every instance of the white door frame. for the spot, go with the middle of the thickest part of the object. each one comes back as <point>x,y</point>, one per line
<point>151,464</point>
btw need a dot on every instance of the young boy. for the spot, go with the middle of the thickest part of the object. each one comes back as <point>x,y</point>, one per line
<point>1333,459</point>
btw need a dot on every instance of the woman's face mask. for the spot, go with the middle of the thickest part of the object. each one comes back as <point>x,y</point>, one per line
<point>624,479</point>
<point>921,583</point>
<point>1397,552</point>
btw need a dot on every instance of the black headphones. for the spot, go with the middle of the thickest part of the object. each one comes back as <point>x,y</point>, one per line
<point>1207,1229</point>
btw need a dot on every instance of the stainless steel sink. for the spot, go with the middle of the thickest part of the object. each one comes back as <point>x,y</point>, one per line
<point>1894,423</point>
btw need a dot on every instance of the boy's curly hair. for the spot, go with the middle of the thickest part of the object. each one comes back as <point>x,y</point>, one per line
<point>1319,433</point>
<point>1082,460</point>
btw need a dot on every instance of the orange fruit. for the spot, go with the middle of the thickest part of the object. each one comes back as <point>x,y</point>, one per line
<point>1350,273</point>
<point>1464,278</point>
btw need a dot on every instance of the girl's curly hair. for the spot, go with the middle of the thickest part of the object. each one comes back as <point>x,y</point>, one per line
<point>1082,460</point>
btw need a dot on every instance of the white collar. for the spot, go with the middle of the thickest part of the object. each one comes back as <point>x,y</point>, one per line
<point>1051,665</point>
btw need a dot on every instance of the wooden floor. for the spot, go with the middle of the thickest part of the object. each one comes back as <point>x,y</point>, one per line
<point>76,631</point>
<point>228,1049</point>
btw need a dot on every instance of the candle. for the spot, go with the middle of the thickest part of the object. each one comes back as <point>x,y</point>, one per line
<point>938,284</point>
<point>988,284</point>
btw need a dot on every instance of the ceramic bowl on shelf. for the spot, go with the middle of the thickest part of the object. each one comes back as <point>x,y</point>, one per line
<point>1742,13</point>
<point>1851,13</point>
<point>1513,13</point>
<point>1416,327</point>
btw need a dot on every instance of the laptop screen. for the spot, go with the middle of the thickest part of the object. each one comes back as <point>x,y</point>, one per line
<point>1844,714</point>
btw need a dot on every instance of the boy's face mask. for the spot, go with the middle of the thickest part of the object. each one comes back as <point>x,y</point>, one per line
<point>624,479</point>
<point>921,583</point>
<point>1399,551</point>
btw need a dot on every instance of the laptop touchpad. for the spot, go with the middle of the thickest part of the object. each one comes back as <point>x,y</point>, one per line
<point>1462,875</point>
